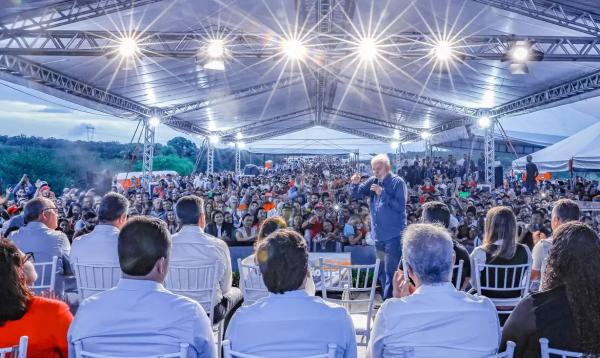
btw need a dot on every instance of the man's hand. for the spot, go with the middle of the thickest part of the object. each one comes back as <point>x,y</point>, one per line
<point>355,179</point>
<point>376,188</point>
<point>401,287</point>
<point>538,236</point>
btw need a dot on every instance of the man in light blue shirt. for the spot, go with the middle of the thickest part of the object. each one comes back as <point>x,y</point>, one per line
<point>289,323</point>
<point>433,320</point>
<point>140,317</point>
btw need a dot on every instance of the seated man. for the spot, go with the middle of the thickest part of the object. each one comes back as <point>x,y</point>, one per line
<point>289,322</point>
<point>39,237</point>
<point>100,246</point>
<point>139,316</point>
<point>191,246</point>
<point>433,319</point>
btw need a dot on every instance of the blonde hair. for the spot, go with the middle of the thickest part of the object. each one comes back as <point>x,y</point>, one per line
<point>381,158</point>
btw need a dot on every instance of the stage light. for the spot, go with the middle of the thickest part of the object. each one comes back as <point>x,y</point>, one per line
<point>241,145</point>
<point>426,135</point>
<point>367,49</point>
<point>520,54</point>
<point>293,49</point>
<point>443,50</point>
<point>239,135</point>
<point>484,122</point>
<point>216,64</point>
<point>128,47</point>
<point>154,122</point>
<point>214,139</point>
<point>396,134</point>
<point>395,144</point>
<point>215,49</point>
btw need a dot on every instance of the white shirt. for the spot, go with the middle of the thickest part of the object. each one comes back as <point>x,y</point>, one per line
<point>436,321</point>
<point>540,252</point>
<point>141,317</point>
<point>97,247</point>
<point>292,324</point>
<point>191,246</point>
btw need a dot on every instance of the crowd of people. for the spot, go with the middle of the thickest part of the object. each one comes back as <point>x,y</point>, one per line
<point>426,219</point>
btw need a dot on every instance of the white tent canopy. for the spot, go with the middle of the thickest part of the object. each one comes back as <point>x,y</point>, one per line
<point>583,147</point>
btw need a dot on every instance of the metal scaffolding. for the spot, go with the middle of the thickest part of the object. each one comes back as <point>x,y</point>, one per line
<point>398,157</point>
<point>489,154</point>
<point>148,155</point>
<point>238,159</point>
<point>210,158</point>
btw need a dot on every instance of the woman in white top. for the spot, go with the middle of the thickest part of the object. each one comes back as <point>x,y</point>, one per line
<point>247,232</point>
<point>252,274</point>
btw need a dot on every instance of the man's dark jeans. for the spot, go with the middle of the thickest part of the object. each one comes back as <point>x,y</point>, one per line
<point>389,253</point>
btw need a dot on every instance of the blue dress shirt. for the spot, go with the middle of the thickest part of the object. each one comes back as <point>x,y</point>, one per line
<point>388,210</point>
<point>292,324</point>
<point>141,317</point>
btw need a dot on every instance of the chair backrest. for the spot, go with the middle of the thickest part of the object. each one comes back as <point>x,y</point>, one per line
<point>459,271</point>
<point>229,353</point>
<point>196,282</point>
<point>251,283</point>
<point>503,278</point>
<point>80,353</point>
<point>93,278</point>
<point>19,351</point>
<point>508,353</point>
<point>547,351</point>
<point>346,280</point>
<point>46,272</point>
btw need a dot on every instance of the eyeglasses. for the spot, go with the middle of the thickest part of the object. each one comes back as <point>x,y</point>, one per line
<point>28,257</point>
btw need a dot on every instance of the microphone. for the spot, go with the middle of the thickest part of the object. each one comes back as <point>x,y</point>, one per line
<point>376,181</point>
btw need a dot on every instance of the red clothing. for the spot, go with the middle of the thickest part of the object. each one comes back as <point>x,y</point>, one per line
<point>46,324</point>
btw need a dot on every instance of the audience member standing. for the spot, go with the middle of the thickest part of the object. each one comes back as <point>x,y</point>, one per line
<point>290,322</point>
<point>388,215</point>
<point>139,316</point>
<point>567,310</point>
<point>532,172</point>
<point>433,318</point>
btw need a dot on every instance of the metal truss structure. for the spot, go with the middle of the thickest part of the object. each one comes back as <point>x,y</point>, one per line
<point>67,12</point>
<point>552,12</point>
<point>489,153</point>
<point>356,132</point>
<point>229,133</point>
<point>561,92</point>
<point>279,132</point>
<point>410,45</point>
<point>398,157</point>
<point>210,158</point>
<point>238,159</point>
<point>148,155</point>
<point>371,120</point>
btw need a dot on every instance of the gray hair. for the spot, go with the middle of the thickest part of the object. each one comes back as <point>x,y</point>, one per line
<point>381,158</point>
<point>428,249</point>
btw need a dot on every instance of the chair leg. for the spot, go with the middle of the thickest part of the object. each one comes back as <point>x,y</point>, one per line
<point>220,334</point>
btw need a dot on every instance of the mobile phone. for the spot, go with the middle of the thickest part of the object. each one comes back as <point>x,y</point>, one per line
<point>405,271</point>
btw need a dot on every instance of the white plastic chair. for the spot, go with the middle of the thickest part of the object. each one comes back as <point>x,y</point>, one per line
<point>458,282</point>
<point>94,278</point>
<point>200,284</point>
<point>408,352</point>
<point>506,278</point>
<point>46,272</point>
<point>546,351</point>
<point>229,353</point>
<point>339,279</point>
<point>251,283</point>
<point>80,353</point>
<point>19,351</point>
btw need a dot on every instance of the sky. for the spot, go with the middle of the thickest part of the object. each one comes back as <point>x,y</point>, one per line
<point>33,113</point>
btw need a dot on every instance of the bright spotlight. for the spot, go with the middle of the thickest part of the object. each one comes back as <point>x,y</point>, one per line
<point>239,135</point>
<point>241,145</point>
<point>216,64</point>
<point>293,49</point>
<point>154,122</point>
<point>367,49</point>
<point>426,135</point>
<point>520,54</point>
<point>215,49</point>
<point>394,145</point>
<point>484,122</point>
<point>128,47</point>
<point>443,50</point>
<point>214,139</point>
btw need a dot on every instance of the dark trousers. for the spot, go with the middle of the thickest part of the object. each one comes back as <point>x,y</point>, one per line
<point>389,253</point>
<point>225,309</point>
